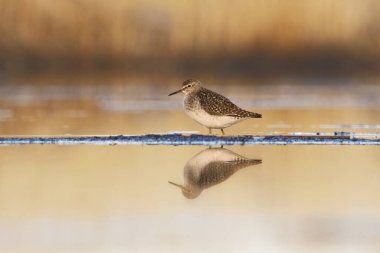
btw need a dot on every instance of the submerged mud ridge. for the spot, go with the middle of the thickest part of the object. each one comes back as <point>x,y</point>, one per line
<point>193,139</point>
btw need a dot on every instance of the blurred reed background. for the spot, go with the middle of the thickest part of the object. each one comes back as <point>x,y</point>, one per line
<point>166,37</point>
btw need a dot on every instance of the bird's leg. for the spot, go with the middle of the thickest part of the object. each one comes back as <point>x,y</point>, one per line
<point>222,135</point>
<point>209,131</point>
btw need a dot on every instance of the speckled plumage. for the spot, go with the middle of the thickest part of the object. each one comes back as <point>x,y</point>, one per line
<point>210,167</point>
<point>218,105</point>
<point>211,109</point>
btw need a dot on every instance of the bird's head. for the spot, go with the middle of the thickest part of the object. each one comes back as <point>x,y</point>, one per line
<point>188,86</point>
<point>188,192</point>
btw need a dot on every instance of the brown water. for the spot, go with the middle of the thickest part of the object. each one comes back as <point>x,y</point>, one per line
<point>118,199</point>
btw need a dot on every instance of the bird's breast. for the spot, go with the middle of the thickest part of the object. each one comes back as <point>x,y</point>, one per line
<point>195,111</point>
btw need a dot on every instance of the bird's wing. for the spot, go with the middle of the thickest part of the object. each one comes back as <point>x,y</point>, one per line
<point>215,172</point>
<point>218,171</point>
<point>218,105</point>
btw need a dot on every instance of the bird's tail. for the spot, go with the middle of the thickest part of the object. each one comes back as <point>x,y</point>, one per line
<point>254,115</point>
<point>254,161</point>
<point>244,162</point>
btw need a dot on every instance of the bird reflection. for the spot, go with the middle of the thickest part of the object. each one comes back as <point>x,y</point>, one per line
<point>210,167</point>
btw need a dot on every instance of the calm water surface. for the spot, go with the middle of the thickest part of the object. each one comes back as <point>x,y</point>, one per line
<point>119,199</point>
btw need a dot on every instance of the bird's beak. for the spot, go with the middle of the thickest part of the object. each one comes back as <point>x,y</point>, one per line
<point>178,91</point>
<point>178,185</point>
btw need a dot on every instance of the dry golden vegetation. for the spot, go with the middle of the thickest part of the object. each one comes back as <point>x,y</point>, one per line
<point>83,32</point>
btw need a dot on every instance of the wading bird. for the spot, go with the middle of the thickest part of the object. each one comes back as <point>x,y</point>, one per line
<point>211,109</point>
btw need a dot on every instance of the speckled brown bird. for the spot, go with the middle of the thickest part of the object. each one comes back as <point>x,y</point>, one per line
<point>211,109</point>
<point>211,167</point>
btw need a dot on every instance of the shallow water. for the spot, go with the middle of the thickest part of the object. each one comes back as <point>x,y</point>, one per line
<point>139,109</point>
<point>119,199</point>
